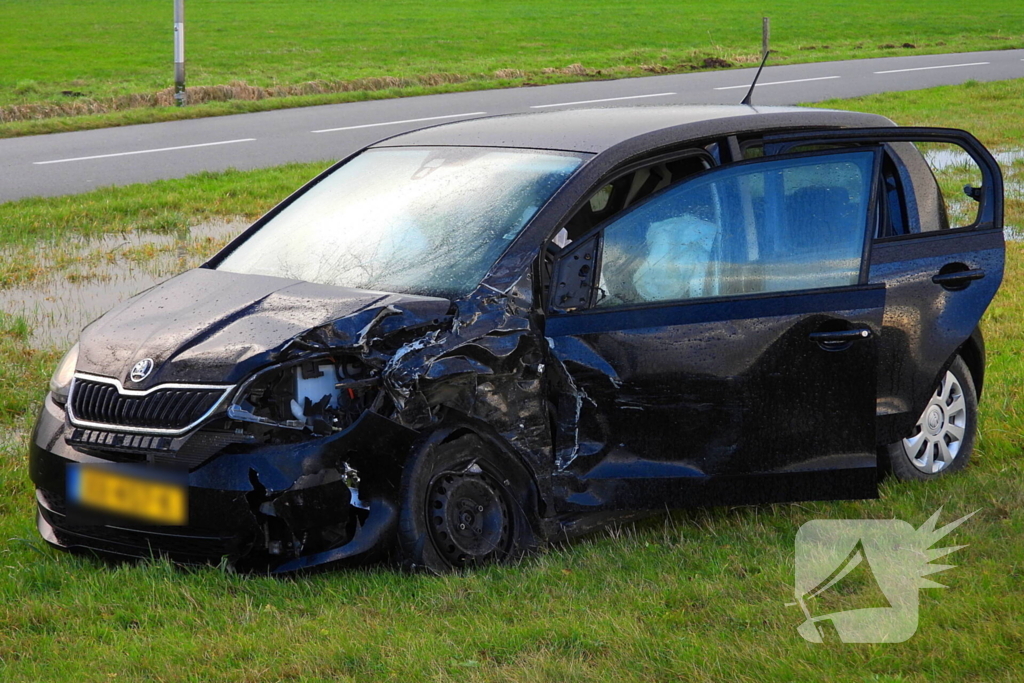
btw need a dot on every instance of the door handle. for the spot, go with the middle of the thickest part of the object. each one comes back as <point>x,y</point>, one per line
<point>958,279</point>
<point>839,340</point>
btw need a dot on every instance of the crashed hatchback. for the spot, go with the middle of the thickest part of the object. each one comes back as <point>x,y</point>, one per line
<point>468,340</point>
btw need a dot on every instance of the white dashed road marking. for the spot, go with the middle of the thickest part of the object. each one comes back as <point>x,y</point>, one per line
<point>927,68</point>
<point>395,123</point>
<point>606,99</point>
<point>143,151</point>
<point>798,80</point>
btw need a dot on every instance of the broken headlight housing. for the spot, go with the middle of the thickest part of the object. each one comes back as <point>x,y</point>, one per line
<point>318,395</point>
<point>60,382</point>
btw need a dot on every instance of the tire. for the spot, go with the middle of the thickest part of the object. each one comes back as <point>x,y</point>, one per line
<point>942,441</point>
<point>463,505</point>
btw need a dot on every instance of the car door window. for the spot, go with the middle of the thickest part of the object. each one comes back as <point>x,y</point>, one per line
<point>768,226</point>
<point>924,186</point>
<point>629,189</point>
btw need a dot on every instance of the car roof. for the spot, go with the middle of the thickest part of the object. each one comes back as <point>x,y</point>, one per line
<point>598,129</point>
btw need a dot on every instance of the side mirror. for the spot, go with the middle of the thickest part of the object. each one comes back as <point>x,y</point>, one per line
<point>975,193</point>
<point>572,284</point>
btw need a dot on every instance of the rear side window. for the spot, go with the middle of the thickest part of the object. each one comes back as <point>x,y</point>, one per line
<point>958,178</point>
<point>925,187</point>
<point>777,225</point>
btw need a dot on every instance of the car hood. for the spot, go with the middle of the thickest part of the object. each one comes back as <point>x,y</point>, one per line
<point>215,327</point>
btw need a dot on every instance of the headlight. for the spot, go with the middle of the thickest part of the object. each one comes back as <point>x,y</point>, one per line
<point>320,393</point>
<point>62,376</point>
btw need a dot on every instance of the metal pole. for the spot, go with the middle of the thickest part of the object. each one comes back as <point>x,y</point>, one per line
<point>766,30</point>
<point>179,52</point>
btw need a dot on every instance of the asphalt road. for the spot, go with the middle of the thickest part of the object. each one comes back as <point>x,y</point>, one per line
<point>66,163</point>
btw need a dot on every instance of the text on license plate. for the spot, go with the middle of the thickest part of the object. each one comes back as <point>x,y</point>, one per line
<point>145,499</point>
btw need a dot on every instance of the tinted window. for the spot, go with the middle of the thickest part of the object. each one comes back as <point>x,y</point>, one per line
<point>777,225</point>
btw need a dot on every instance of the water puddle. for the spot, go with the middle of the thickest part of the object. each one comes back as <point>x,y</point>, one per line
<point>59,288</point>
<point>945,159</point>
<point>954,168</point>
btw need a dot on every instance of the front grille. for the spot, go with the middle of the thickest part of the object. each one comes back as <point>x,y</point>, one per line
<point>164,409</point>
<point>94,438</point>
<point>191,450</point>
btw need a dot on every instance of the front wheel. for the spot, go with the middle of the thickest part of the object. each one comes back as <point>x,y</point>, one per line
<point>463,506</point>
<point>943,437</point>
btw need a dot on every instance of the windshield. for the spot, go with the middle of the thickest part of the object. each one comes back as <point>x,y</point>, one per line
<point>412,220</point>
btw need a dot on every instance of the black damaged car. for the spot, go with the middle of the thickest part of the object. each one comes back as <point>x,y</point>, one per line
<point>467,340</point>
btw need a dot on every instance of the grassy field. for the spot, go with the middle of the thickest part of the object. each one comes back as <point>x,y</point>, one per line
<point>695,596</point>
<point>92,56</point>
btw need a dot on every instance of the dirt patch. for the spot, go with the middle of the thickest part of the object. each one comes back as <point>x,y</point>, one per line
<point>571,70</point>
<point>716,63</point>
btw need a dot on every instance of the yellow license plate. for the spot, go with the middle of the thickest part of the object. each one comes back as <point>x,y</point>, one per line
<point>144,499</point>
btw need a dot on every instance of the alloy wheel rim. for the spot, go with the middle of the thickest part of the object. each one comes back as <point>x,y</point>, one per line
<point>939,433</point>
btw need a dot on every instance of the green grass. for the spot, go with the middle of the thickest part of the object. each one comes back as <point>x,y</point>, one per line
<point>97,50</point>
<point>163,206</point>
<point>991,111</point>
<point>23,373</point>
<point>697,596</point>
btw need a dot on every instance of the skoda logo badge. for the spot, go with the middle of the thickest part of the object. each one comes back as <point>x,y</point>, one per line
<point>142,369</point>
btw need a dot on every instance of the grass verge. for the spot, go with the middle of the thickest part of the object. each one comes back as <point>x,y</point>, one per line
<point>162,206</point>
<point>108,62</point>
<point>694,596</point>
<point>988,110</point>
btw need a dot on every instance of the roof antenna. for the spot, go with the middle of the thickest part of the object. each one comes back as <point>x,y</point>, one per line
<point>746,100</point>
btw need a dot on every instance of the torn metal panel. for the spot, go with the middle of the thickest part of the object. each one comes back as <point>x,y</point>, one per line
<point>367,541</point>
<point>404,367</point>
<point>214,327</point>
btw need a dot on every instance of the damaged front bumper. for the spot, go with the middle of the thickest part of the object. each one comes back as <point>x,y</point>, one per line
<point>280,508</point>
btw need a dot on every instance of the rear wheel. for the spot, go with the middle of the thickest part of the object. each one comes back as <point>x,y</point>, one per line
<point>943,438</point>
<point>463,506</point>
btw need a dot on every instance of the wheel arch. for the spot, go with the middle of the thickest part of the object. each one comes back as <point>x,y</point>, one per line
<point>973,353</point>
<point>452,430</point>
<point>415,547</point>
